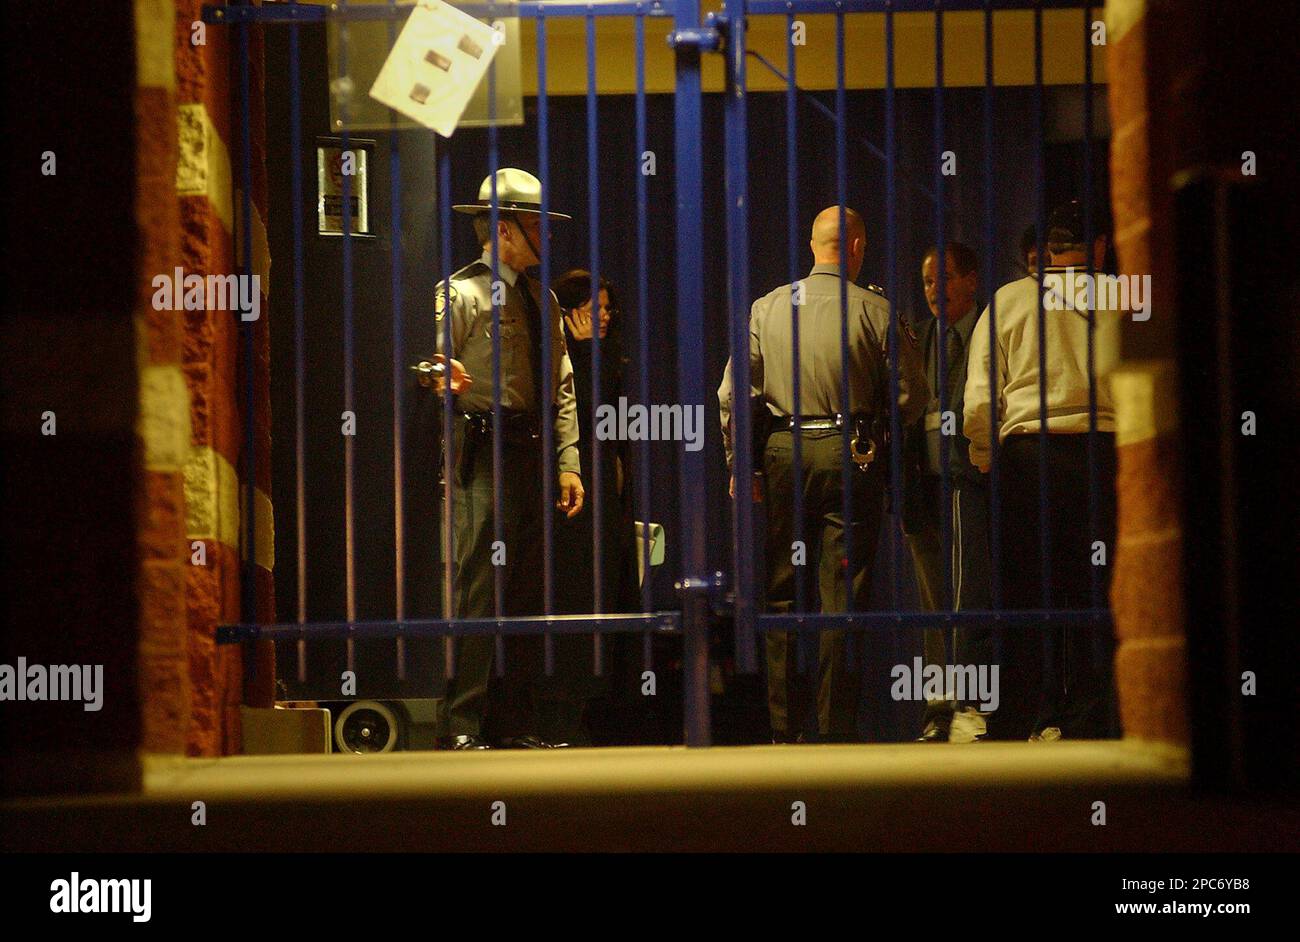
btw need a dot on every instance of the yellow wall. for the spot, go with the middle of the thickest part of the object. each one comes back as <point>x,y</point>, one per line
<point>864,43</point>
<point>1013,44</point>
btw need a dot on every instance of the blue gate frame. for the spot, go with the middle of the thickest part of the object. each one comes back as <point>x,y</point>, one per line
<point>702,587</point>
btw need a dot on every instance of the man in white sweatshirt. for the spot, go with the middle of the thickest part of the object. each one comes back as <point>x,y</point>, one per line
<point>1054,682</point>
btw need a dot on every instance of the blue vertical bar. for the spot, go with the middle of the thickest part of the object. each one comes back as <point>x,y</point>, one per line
<point>299,351</point>
<point>847,467</point>
<point>796,374</point>
<point>448,405</point>
<point>688,135</point>
<point>399,379</point>
<point>643,329</point>
<point>349,403</point>
<point>248,588</point>
<point>990,253</point>
<point>498,456</point>
<point>891,288</point>
<point>593,225</point>
<point>1094,506</point>
<point>546,395</point>
<point>941,328</point>
<point>1045,537</point>
<point>737,189</point>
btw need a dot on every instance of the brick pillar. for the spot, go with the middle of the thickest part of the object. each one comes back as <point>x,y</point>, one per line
<point>1221,168</point>
<point>164,423</point>
<point>120,418</point>
<point>1146,593</point>
<point>207,183</point>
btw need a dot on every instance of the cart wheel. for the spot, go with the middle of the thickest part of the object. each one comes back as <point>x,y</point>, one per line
<point>366,726</point>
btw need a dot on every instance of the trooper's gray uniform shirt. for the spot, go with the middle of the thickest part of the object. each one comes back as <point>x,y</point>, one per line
<point>771,354</point>
<point>468,301</point>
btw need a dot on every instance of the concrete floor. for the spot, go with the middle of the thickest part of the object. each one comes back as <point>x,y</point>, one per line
<point>888,797</point>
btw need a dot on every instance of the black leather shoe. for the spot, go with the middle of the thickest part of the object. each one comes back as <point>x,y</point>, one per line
<point>463,742</point>
<point>530,742</point>
<point>935,731</point>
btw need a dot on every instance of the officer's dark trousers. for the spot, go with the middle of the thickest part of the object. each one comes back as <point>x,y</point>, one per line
<point>1060,677</point>
<point>477,702</point>
<point>834,673</point>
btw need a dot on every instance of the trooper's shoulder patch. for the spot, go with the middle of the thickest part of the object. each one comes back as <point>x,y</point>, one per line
<point>443,296</point>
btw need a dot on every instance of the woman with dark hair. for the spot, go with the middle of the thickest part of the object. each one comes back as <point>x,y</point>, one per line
<point>574,548</point>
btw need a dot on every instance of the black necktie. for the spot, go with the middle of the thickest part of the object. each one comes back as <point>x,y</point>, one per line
<point>952,355</point>
<point>535,331</point>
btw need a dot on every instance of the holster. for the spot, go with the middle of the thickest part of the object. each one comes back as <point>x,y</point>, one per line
<point>761,422</point>
<point>883,435</point>
<point>518,429</point>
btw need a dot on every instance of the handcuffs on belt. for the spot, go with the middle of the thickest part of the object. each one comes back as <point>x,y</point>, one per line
<point>862,456</point>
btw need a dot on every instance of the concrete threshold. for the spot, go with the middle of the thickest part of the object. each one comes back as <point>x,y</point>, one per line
<point>885,797</point>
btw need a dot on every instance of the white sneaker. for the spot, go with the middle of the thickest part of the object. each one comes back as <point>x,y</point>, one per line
<point>968,725</point>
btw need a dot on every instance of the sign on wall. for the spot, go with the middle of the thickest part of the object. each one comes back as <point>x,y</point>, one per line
<point>334,164</point>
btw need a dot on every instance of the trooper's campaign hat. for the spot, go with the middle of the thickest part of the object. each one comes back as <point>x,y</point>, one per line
<point>518,191</point>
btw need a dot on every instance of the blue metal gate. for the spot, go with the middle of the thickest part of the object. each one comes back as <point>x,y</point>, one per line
<point>705,592</point>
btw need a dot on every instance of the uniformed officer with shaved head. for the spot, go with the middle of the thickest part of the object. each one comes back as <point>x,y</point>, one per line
<point>837,553</point>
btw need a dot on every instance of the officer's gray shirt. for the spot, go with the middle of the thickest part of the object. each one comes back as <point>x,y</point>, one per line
<point>469,301</point>
<point>771,354</point>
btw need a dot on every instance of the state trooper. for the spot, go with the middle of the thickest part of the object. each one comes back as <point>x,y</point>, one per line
<point>831,547</point>
<point>468,717</point>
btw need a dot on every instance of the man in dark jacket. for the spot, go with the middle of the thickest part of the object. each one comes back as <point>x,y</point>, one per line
<point>936,447</point>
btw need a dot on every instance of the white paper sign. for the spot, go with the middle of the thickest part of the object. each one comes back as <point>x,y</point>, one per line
<point>436,64</point>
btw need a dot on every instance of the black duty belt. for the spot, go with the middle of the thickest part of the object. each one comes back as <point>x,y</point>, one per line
<point>515,425</point>
<point>814,423</point>
<point>870,433</point>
